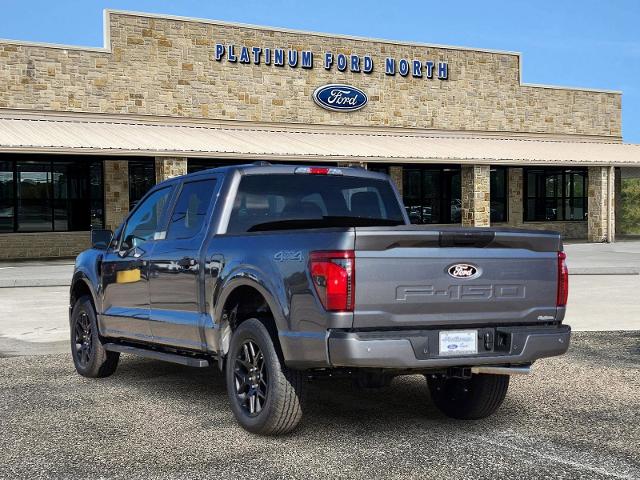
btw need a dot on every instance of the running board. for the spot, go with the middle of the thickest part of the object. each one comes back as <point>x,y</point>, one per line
<point>166,357</point>
<point>502,370</point>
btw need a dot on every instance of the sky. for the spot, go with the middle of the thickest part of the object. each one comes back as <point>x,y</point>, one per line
<point>584,43</point>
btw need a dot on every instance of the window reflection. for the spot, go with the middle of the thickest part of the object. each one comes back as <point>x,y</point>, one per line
<point>51,194</point>
<point>498,196</point>
<point>6,197</point>
<point>142,176</point>
<point>555,194</point>
<point>432,194</point>
<point>34,197</point>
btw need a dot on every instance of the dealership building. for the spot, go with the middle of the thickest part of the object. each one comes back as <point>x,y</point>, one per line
<point>85,132</point>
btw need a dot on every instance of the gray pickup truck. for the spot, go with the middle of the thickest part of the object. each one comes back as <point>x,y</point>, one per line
<point>281,273</point>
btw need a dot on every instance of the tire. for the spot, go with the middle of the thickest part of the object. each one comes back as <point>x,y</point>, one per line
<point>468,399</point>
<point>253,370</point>
<point>89,356</point>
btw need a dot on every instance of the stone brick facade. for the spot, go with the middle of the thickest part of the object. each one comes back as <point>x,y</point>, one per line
<point>167,67</point>
<point>116,192</point>
<point>475,195</point>
<point>396,175</point>
<point>515,186</point>
<point>169,167</point>
<point>163,66</point>
<point>42,245</point>
<point>618,200</point>
<point>600,216</point>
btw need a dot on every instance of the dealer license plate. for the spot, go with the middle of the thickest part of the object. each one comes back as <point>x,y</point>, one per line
<point>458,342</point>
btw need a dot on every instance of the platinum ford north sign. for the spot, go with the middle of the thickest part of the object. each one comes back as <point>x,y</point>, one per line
<point>340,98</point>
<point>280,57</point>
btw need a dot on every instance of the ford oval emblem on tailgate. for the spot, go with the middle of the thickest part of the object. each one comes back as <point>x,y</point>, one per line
<point>340,98</point>
<point>463,270</point>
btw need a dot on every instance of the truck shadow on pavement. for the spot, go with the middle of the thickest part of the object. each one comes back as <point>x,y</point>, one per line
<point>330,401</point>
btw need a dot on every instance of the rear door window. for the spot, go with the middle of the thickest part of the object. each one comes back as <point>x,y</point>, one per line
<point>191,209</point>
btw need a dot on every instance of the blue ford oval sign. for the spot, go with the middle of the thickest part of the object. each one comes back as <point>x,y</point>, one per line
<point>340,98</point>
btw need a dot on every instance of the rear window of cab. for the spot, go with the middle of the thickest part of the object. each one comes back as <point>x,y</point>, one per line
<point>276,201</point>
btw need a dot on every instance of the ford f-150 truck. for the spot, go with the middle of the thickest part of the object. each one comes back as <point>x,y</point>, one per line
<point>281,273</point>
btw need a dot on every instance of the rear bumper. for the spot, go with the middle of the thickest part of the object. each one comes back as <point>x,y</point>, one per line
<point>418,349</point>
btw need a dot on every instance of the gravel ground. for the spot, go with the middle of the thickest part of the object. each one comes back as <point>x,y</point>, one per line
<point>577,416</point>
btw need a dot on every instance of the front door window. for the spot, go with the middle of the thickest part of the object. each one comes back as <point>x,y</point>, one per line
<point>145,220</point>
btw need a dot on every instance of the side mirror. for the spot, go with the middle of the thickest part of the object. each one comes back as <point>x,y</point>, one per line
<point>101,239</point>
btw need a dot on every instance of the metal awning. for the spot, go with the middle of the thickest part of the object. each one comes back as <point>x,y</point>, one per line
<point>102,135</point>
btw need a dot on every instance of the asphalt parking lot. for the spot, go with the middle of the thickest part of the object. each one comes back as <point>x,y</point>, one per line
<point>577,416</point>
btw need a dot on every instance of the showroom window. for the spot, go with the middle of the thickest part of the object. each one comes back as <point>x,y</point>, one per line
<point>142,176</point>
<point>555,194</point>
<point>7,198</point>
<point>373,167</point>
<point>45,194</point>
<point>498,197</point>
<point>432,194</point>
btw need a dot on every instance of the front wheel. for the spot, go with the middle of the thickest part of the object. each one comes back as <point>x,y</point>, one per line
<point>89,356</point>
<point>468,398</point>
<point>265,395</point>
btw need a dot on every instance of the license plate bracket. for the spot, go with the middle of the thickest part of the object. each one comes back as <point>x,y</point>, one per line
<point>457,342</point>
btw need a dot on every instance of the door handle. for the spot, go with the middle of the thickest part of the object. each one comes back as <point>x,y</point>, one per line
<point>186,262</point>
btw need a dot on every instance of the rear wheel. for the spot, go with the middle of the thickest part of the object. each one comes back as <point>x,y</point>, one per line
<point>265,395</point>
<point>468,398</point>
<point>89,356</point>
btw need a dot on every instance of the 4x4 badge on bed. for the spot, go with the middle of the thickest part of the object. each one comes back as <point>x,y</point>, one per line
<point>284,255</point>
<point>463,270</point>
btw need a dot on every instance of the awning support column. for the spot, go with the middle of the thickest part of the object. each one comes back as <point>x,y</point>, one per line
<point>475,195</point>
<point>515,196</point>
<point>116,192</point>
<point>601,217</point>
<point>395,172</point>
<point>169,167</point>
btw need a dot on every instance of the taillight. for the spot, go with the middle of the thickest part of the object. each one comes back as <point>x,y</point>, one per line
<point>563,280</point>
<point>334,278</point>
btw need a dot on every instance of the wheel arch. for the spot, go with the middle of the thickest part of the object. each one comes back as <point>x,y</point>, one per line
<point>80,286</point>
<point>257,302</point>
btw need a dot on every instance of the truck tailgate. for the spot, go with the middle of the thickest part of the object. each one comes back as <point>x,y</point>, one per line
<point>408,276</point>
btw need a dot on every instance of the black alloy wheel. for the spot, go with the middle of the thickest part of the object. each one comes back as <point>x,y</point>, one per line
<point>250,378</point>
<point>89,355</point>
<point>264,394</point>
<point>83,343</point>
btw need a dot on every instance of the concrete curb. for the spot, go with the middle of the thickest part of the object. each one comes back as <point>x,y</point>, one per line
<point>604,271</point>
<point>43,282</point>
